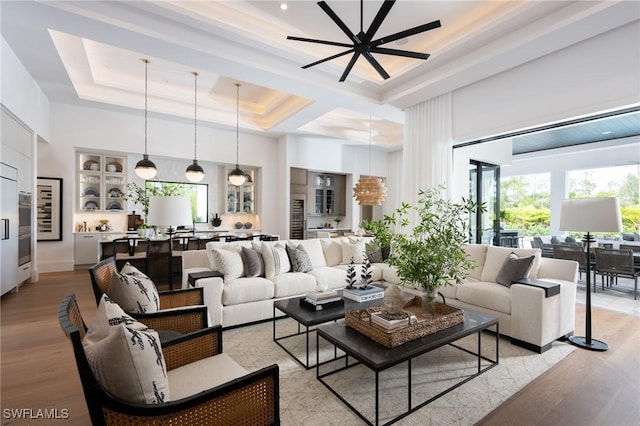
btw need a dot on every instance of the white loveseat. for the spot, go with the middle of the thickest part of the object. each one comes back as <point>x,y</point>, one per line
<point>526,315</point>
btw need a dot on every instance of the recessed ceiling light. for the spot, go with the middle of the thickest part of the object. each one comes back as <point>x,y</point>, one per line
<point>283,6</point>
<point>606,132</point>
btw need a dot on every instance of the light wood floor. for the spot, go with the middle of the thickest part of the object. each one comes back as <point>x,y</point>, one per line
<point>586,388</point>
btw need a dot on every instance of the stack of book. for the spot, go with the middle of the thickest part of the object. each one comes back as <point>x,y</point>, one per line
<point>322,300</point>
<point>384,320</point>
<point>362,295</point>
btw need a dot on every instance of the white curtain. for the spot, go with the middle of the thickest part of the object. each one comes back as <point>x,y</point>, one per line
<point>427,153</point>
<point>394,183</point>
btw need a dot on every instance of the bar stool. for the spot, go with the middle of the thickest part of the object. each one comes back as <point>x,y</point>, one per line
<point>132,250</point>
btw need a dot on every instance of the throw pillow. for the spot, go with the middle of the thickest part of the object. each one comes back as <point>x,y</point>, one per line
<point>107,316</point>
<point>332,251</point>
<point>374,252</point>
<point>229,263</point>
<point>130,365</point>
<point>276,260</point>
<point>514,268</point>
<point>353,250</point>
<point>570,239</point>
<point>133,291</point>
<point>300,261</point>
<point>555,240</point>
<point>253,263</point>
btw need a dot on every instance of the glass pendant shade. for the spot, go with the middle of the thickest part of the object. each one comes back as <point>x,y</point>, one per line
<point>145,169</point>
<point>237,177</point>
<point>194,172</point>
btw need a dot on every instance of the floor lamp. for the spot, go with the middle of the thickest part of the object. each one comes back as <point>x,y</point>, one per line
<point>590,215</point>
<point>169,212</point>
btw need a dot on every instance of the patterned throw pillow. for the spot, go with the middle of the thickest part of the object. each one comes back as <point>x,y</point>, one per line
<point>107,316</point>
<point>253,263</point>
<point>300,261</point>
<point>352,249</point>
<point>276,260</point>
<point>229,263</point>
<point>374,252</point>
<point>133,291</point>
<point>130,365</point>
<point>514,268</point>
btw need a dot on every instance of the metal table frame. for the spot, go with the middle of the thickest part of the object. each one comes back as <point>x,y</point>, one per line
<point>418,347</point>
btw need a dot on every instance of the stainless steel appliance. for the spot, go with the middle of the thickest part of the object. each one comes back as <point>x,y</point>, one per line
<point>25,227</point>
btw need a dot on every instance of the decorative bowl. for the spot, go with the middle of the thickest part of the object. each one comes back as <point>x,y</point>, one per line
<point>248,225</point>
<point>239,225</point>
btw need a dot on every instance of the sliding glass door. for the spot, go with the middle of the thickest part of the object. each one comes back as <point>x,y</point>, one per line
<point>484,187</point>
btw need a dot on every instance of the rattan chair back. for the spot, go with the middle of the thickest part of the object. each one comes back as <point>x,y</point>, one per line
<point>574,253</point>
<point>101,274</point>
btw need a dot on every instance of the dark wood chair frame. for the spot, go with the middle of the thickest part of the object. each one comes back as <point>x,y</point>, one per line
<point>611,263</point>
<point>249,400</point>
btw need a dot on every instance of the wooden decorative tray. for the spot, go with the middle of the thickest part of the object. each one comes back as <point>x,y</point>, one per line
<point>445,317</point>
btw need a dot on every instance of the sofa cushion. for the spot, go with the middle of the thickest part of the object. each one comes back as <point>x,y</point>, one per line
<point>497,255</point>
<point>253,262</point>
<point>229,263</point>
<point>514,268</point>
<point>133,291</point>
<point>244,290</point>
<point>352,250</point>
<point>188,380</point>
<point>476,253</point>
<point>332,250</point>
<point>125,357</point>
<point>293,284</point>
<point>389,273</point>
<point>276,259</point>
<point>328,277</point>
<point>488,295</point>
<point>300,261</point>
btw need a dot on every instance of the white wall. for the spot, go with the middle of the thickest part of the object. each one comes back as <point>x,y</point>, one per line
<point>598,74</point>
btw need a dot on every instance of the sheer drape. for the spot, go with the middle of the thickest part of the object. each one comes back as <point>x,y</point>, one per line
<point>427,153</point>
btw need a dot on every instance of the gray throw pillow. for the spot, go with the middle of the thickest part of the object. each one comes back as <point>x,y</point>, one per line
<point>253,262</point>
<point>514,268</point>
<point>374,252</point>
<point>299,258</point>
<point>555,240</point>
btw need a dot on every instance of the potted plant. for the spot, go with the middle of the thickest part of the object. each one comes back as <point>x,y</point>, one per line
<point>431,253</point>
<point>337,220</point>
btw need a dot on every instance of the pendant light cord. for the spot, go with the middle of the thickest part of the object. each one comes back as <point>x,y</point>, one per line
<point>237,123</point>
<point>361,12</point>
<point>195,115</point>
<point>146,66</point>
<point>369,146</point>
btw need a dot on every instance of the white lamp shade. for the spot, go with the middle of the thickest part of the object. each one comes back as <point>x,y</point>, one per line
<point>169,211</point>
<point>591,215</point>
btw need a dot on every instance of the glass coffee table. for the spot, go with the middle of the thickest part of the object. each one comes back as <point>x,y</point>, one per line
<point>307,318</point>
<point>378,358</point>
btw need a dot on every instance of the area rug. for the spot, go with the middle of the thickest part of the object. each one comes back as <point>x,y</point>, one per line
<point>305,401</point>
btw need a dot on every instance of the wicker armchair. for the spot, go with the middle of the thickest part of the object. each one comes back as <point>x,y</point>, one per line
<point>184,320</point>
<point>252,399</point>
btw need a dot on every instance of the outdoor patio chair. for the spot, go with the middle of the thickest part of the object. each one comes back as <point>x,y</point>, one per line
<point>248,399</point>
<point>611,263</point>
<point>572,253</point>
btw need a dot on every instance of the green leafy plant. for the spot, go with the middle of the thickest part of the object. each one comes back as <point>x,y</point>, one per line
<point>431,253</point>
<point>140,195</point>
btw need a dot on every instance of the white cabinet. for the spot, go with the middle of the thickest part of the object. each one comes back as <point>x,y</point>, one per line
<point>102,182</point>
<point>242,199</point>
<point>87,248</point>
<point>8,227</point>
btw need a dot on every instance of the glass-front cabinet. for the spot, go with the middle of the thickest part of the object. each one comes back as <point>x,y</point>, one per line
<point>102,182</point>
<point>242,199</point>
<point>326,190</point>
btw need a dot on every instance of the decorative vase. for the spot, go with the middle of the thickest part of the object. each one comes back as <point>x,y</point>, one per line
<point>216,220</point>
<point>429,301</point>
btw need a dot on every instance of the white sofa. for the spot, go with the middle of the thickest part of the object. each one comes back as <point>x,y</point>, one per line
<point>526,315</point>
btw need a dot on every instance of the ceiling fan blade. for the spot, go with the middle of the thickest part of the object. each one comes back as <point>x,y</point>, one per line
<point>324,6</point>
<point>396,52</point>
<point>406,33</point>
<point>377,21</point>
<point>347,70</point>
<point>313,40</point>
<point>327,59</point>
<point>375,64</point>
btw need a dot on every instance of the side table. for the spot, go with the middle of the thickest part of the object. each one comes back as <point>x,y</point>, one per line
<point>195,276</point>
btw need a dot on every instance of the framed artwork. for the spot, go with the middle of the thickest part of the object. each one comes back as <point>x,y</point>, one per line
<point>49,209</point>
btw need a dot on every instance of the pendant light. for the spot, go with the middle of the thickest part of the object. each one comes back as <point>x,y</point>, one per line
<point>370,191</point>
<point>194,172</point>
<point>237,177</point>
<point>145,169</point>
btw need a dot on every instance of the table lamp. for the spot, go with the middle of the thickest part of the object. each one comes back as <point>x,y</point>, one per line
<point>170,212</point>
<point>590,215</point>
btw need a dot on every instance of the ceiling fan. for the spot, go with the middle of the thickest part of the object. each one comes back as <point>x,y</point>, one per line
<point>363,43</point>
